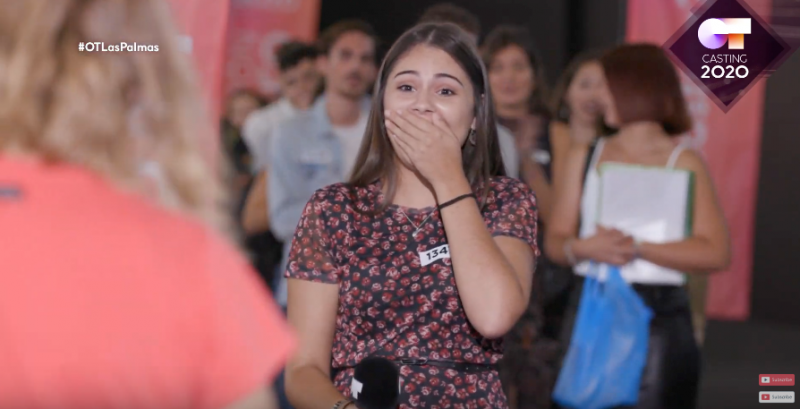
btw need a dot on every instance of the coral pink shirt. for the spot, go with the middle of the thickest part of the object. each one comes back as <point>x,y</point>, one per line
<point>108,301</point>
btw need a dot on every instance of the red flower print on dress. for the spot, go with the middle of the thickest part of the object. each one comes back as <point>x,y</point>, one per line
<point>450,389</point>
<point>447,317</point>
<point>391,305</point>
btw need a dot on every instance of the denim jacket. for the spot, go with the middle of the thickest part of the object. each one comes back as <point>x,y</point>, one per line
<point>306,156</point>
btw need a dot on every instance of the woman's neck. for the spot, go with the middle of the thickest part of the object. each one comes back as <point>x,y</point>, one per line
<point>412,190</point>
<point>19,153</point>
<point>342,111</point>
<point>641,137</point>
<point>641,134</point>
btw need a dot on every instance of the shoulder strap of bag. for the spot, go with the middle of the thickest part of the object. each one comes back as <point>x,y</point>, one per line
<point>586,167</point>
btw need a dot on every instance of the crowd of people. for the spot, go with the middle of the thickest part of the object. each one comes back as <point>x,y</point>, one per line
<point>537,133</point>
<point>436,208</point>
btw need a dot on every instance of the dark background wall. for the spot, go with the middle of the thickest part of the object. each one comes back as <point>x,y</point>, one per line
<point>563,28</point>
<point>547,20</point>
<point>776,268</point>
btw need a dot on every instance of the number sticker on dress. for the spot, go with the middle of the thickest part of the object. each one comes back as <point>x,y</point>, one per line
<point>427,257</point>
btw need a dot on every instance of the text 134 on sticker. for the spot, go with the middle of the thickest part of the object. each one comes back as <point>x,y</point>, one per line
<point>438,253</point>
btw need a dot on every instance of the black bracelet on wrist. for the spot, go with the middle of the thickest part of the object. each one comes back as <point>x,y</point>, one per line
<point>456,200</point>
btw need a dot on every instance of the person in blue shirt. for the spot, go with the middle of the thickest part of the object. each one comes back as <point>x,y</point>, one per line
<point>318,147</point>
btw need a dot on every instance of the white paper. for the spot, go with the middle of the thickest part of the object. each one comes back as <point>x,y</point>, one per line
<point>649,204</point>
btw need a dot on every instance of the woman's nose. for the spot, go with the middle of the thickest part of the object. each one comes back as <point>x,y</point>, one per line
<point>422,104</point>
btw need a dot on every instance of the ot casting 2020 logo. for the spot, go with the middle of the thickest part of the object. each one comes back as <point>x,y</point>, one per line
<point>726,49</point>
<point>713,34</point>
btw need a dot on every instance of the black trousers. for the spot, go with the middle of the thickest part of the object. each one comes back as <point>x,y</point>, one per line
<point>672,373</point>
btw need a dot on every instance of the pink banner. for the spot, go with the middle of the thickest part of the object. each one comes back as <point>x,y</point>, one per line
<point>203,24</point>
<point>731,143</point>
<point>256,28</point>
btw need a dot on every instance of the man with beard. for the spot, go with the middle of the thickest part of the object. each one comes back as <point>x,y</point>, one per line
<point>318,147</point>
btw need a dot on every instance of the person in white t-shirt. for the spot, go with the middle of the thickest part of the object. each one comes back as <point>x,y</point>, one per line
<point>300,82</point>
<point>350,139</point>
<point>642,100</point>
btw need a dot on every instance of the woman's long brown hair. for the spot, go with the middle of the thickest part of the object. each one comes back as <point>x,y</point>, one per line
<point>108,111</point>
<point>377,159</point>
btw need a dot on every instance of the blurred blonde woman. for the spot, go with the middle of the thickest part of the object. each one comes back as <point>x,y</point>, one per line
<point>110,298</point>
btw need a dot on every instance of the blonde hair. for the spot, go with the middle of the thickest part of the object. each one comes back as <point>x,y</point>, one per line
<point>108,111</point>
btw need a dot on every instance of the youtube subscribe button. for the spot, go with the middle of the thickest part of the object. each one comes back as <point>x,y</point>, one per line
<point>776,397</point>
<point>776,380</point>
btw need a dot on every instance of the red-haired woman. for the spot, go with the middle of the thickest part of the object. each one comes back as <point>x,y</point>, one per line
<point>643,101</point>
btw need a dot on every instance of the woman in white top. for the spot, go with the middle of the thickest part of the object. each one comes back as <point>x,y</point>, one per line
<point>643,101</point>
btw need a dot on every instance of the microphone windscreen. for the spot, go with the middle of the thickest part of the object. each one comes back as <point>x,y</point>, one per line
<point>376,384</point>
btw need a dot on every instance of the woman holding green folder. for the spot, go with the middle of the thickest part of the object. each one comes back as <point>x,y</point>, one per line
<point>643,102</point>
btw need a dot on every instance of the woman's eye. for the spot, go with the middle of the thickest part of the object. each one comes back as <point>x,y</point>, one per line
<point>405,88</point>
<point>447,91</point>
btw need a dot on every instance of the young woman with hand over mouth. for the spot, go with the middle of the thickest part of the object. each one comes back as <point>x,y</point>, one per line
<point>426,256</point>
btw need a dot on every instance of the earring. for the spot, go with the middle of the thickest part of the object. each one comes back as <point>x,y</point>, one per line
<point>472,136</point>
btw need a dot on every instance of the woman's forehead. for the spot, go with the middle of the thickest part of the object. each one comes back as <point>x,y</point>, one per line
<point>425,60</point>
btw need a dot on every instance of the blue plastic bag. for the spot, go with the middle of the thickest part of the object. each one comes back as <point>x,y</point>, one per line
<point>606,357</point>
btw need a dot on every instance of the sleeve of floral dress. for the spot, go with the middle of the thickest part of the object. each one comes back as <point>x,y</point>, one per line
<point>513,212</point>
<point>311,256</point>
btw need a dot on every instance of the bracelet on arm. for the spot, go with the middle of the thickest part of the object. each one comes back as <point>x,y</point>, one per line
<point>568,252</point>
<point>343,404</point>
<point>456,200</point>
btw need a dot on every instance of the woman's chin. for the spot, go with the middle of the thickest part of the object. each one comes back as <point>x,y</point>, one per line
<point>586,118</point>
<point>579,119</point>
<point>510,102</point>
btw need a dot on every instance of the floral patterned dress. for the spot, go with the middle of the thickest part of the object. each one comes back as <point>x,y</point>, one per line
<point>394,303</point>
